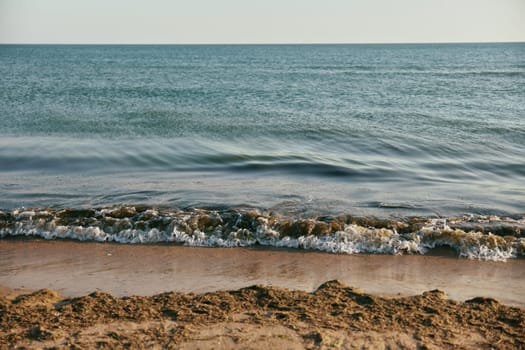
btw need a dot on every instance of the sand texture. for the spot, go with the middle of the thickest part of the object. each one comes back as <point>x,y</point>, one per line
<point>333,316</point>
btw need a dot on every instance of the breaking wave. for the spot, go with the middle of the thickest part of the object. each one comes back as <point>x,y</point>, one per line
<point>471,236</point>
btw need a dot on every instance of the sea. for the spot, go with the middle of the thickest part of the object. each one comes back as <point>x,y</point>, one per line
<point>378,149</point>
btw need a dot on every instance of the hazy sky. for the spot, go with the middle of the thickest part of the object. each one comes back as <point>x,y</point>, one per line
<point>262,21</point>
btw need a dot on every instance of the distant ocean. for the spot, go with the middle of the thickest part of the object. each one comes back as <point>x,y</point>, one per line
<point>342,148</point>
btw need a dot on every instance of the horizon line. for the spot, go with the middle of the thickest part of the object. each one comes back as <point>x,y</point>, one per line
<point>262,43</point>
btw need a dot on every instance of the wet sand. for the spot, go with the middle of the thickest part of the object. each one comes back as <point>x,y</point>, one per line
<point>222,312</point>
<point>78,268</point>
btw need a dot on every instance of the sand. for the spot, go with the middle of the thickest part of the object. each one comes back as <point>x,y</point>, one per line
<point>78,268</point>
<point>236,298</point>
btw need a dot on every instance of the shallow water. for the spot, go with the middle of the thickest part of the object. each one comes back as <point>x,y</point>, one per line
<point>76,269</point>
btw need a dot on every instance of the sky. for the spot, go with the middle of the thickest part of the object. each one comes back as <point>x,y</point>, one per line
<point>261,21</point>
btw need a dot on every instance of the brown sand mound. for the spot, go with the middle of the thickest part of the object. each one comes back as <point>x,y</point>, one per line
<point>334,316</point>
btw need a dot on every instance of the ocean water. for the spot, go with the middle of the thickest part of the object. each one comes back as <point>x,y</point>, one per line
<point>343,148</point>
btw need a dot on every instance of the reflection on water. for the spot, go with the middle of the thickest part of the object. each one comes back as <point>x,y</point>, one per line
<point>148,270</point>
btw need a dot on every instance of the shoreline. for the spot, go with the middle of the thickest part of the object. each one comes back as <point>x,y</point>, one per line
<point>78,268</point>
<point>104,295</point>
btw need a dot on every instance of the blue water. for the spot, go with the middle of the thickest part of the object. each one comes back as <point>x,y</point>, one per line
<point>385,130</point>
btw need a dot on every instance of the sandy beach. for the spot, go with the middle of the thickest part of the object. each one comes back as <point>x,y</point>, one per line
<point>165,296</point>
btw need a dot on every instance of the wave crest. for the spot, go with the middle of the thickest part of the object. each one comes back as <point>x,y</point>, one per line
<point>473,236</point>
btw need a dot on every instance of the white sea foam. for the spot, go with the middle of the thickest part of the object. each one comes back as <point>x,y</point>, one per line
<point>208,228</point>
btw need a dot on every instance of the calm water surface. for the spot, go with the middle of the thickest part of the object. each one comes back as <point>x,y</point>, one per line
<point>369,129</point>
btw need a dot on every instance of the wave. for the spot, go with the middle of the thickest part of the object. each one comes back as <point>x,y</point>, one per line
<point>471,236</point>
